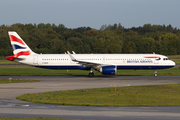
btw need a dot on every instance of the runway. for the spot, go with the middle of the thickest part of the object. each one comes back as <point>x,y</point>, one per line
<point>11,107</point>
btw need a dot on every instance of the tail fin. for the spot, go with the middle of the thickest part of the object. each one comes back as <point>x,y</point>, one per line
<point>19,47</point>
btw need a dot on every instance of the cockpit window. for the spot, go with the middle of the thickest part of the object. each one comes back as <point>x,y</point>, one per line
<point>165,58</point>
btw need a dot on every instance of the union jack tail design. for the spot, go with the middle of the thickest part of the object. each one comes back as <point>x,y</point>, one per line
<point>19,46</point>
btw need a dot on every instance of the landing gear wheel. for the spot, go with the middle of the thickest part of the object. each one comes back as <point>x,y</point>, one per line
<point>91,74</point>
<point>155,74</point>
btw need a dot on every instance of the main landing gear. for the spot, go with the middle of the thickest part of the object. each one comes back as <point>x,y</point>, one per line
<point>91,74</point>
<point>155,73</point>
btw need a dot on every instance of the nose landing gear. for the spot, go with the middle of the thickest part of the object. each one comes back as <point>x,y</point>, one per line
<point>155,73</point>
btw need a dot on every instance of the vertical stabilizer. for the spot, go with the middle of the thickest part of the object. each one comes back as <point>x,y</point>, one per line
<point>19,47</point>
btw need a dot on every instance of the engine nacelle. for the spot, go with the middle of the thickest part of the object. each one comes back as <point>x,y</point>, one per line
<point>108,70</point>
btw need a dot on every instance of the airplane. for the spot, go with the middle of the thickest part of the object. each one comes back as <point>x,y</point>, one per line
<point>107,64</point>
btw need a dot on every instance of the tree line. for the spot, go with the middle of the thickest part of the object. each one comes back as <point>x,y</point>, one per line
<point>51,38</point>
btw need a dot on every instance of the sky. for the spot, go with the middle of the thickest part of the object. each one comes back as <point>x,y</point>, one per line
<point>92,13</point>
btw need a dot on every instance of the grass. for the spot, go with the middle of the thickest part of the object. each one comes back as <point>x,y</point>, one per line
<point>7,62</point>
<point>177,61</point>
<point>155,95</point>
<point>33,71</point>
<point>175,58</point>
<point>172,57</point>
<point>13,118</point>
<point>10,80</point>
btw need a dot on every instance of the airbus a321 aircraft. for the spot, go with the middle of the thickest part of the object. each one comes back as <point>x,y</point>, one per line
<point>107,64</point>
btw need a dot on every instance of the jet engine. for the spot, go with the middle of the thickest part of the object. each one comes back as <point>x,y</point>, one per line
<point>108,70</point>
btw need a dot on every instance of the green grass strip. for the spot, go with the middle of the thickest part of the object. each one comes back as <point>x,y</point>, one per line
<point>10,80</point>
<point>177,61</point>
<point>33,71</point>
<point>154,95</point>
<point>8,62</point>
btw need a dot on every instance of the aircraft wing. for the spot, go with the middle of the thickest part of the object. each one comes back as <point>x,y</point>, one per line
<point>95,65</point>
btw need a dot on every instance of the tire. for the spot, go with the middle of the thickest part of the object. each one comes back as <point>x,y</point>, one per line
<point>90,74</point>
<point>155,74</point>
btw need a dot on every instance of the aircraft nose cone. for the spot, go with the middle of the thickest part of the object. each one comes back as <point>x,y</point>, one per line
<point>173,63</point>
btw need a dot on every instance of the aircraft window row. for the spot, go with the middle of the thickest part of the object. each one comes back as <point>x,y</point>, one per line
<point>113,59</point>
<point>127,59</point>
<point>103,59</point>
<point>54,59</point>
<point>165,58</point>
<point>88,59</point>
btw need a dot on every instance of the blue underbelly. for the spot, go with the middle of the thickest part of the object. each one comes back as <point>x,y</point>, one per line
<point>118,67</point>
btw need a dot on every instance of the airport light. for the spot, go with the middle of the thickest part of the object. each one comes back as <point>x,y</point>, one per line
<point>115,87</point>
<point>10,79</point>
<point>111,87</point>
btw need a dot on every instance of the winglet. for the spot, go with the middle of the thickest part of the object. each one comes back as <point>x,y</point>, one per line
<point>73,52</point>
<point>72,58</point>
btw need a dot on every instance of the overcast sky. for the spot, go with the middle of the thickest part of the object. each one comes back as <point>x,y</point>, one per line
<point>92,13</point>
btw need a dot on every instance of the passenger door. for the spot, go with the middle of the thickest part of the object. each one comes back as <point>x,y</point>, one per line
<point>35,59</point>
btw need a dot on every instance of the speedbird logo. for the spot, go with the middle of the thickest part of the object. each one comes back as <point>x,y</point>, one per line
<point>156,57</point>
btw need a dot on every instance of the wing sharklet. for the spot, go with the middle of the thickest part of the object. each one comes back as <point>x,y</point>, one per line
<point>72,58</point>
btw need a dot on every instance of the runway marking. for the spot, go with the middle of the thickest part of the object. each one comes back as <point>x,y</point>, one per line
<point>17,105</point>
<point>25,105</point>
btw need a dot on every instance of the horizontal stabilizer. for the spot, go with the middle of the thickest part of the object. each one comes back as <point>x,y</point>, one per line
<point>12,58</point>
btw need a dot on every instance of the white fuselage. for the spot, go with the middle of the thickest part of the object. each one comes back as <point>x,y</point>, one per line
<point>105,63</point>
<point>121,61</point>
